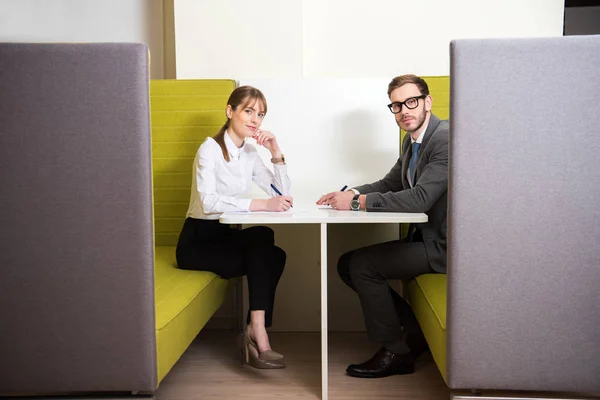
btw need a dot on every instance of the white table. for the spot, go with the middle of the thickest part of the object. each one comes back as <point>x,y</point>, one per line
<point>322,216</point>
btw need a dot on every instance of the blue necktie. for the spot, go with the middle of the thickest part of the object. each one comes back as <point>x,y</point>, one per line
<point>412,164</point>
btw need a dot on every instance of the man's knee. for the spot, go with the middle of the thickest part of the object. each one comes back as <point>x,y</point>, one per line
<point>343,267</point>
<point>353,267</point>
<point>359,268</point>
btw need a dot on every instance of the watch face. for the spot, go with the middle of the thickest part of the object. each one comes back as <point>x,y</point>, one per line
<point>355,205</point>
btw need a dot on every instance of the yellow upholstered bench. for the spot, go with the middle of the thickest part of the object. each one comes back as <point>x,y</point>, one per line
<point>427,293</point>
<point>184,113</point>
<point>427,296</point>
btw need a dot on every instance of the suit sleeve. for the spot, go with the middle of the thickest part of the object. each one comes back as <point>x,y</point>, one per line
<point>431,185</point>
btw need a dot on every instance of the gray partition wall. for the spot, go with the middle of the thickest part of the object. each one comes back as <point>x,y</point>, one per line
<point>76,241</point>
<point>524,215</point>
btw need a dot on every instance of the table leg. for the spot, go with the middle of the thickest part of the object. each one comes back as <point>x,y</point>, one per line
<point>324,328</point>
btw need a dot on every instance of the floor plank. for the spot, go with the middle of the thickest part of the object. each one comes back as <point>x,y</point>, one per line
<point>211,369</point>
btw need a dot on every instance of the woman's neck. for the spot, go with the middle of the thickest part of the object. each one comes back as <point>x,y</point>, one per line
<point>238,141</point>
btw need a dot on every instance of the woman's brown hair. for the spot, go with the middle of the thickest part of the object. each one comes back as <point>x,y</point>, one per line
<point>243,96</point>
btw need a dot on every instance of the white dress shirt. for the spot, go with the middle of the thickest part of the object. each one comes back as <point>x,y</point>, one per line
<point>219,186</point>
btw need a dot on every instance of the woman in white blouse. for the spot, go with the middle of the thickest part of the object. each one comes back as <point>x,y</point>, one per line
<point>224,169</point>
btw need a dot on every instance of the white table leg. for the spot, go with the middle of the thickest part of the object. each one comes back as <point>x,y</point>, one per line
<point>324,360</point>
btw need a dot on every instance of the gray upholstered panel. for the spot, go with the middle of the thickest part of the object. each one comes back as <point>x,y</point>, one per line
<point>524,225</point>
<point>76,243</point>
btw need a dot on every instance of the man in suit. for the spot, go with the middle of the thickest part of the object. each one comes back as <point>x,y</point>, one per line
<point>418,182</point>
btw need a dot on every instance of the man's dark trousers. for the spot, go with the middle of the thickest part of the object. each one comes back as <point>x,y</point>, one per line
<point>388,317</point>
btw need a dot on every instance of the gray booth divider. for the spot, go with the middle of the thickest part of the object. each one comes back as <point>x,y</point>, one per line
<point>76,233</point>
<point>524,207</point>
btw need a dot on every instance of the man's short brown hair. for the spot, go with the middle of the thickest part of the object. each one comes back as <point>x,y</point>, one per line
<point>409,78</point>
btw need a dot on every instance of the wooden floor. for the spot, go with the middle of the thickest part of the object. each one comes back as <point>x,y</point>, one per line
<point>211,369</point>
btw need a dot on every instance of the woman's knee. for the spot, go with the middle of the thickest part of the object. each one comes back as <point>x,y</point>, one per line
<point>280,255</point>
<point>261,235</point>
<point>280,258</point>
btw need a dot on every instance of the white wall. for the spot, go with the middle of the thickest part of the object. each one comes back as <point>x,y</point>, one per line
<point>343,38</point>
<point>336,131</point>
<point>392,37</point>
<point>86,21</point>
<point>219,39</point>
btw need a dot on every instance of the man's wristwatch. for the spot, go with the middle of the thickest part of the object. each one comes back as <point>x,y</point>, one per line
<point>355,204</point>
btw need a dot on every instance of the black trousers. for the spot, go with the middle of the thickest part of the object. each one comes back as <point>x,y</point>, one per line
<point>388,317</point>
<point>207,245</point>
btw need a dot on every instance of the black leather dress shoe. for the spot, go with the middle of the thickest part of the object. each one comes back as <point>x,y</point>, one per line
<point>417,345</point>
<point>384,363</point>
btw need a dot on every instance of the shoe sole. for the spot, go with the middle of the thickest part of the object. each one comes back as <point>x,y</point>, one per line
<point>361,375</point>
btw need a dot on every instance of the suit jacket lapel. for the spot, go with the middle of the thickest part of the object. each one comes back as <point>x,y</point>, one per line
<point>406,150</point>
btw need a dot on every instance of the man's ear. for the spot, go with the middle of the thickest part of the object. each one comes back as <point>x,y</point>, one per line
<point>229,111</point>
<point>428,103</point>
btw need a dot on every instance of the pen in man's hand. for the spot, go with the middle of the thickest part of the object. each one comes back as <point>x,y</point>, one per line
<point>344,188</point>
<point>278,192</point>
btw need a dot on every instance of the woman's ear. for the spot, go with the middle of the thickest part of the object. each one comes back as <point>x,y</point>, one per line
<point>229,111</point>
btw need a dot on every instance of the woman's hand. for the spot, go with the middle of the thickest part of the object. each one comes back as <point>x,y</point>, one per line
<point>279,203</point>
<point>269,141</point>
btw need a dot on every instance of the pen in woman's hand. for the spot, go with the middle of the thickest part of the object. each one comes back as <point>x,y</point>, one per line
<point>278,192</point>
<point>344,188</point>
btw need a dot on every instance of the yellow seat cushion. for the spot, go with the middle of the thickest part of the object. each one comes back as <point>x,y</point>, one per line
<point>427,296</point>
<point>185,301</point>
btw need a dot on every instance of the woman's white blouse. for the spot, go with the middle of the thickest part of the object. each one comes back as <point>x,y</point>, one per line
<point>219,186</point>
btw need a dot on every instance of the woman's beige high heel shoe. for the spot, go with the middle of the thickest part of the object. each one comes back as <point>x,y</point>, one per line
<point>250,356</point>
<point>267,355</point>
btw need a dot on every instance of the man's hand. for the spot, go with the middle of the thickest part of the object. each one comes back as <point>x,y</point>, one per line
<point>337,200</point>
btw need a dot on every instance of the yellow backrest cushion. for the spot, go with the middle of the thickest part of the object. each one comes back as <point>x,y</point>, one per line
<point>439,89</point>
<point>183,114</point>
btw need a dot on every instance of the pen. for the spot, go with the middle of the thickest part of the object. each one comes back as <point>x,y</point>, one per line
<point>344,188</point>
<point>278,192</point>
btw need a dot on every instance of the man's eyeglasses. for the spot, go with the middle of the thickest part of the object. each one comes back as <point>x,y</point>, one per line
<point>410,103</point>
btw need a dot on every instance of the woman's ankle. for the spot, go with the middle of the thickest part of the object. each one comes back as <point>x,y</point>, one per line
<point>259,335</point>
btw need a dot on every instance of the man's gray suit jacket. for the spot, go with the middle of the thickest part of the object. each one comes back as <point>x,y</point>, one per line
<point>430,194</point>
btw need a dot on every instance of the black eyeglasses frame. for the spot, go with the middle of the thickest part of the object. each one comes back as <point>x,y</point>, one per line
<point>403,103</point>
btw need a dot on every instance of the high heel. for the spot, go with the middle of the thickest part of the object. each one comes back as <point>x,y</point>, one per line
<point>267,355</point>
<point>249,355</point>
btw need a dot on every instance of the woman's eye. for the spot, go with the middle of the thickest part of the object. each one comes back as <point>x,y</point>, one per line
<point>248,111</point>
<point>261,115</point>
